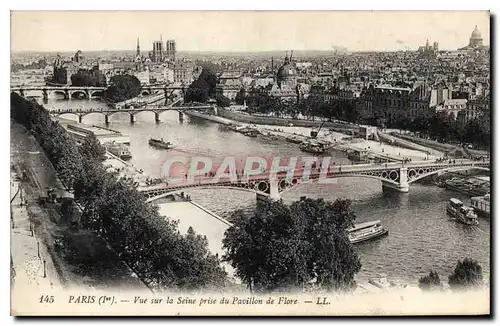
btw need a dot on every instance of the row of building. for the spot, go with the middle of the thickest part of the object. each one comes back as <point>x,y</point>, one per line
<point>384,85</point>
<point>160,66</point>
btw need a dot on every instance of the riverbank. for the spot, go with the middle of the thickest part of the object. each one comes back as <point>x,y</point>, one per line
<point>443,147</point>
<point>284,122</point>
<point>342,142</point>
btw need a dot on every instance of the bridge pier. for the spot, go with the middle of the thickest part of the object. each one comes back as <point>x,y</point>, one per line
<point>106,119</point>
<point>80,118</point>
<point>181,116</point>
<point>132,118</point>
<point>403,185</point>
<point>157,117</point>
<point>45,96</point>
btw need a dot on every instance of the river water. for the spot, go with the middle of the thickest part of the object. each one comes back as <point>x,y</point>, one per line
<point>421,236</point>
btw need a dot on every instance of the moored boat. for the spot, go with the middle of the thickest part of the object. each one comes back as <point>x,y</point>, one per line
<point>316,147</point>
<point>294,139</point>
<point>461,212</point>
<point>381,283</point>
<point>159,143</point>
<point>366,231</point>
<point>481,205</point>
<point>118,149</point>
<point>249,132</point>
<point>312,148</point>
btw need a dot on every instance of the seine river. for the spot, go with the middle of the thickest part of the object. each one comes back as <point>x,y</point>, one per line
<point>421,236</point>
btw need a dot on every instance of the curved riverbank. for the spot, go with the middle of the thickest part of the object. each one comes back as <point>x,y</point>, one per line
<point>275,121</point>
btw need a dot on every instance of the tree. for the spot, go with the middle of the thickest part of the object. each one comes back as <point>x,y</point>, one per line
<point>91,148</point>
<point>123,87</point>
<point>468,273</point>
<point>281,247</point>
<point>204,87</point>
<point>86,77</point>
<point>430,282</point>
<point>60,76</point>
<point>222,100</point>
<point>240,97</point>
<point>149,242</point>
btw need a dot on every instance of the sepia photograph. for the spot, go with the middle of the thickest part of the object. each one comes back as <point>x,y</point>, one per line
<point>250,163</point>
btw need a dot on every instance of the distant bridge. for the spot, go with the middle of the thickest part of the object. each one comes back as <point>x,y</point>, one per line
<point>132,111</point>
<point>88,92</point>
<point>67,91</point>
<point>396,176</point>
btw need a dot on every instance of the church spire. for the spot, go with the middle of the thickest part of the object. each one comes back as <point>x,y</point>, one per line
<point>138,51</point>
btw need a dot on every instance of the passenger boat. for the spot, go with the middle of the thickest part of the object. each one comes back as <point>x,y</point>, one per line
<point>160,143</point>
<point>118,149</point>
<point>481,205</point>
<point>462,213</point>
<point>366,231</point>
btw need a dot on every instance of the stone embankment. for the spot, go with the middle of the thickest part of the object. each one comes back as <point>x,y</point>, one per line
<point>276,121</point>
<point>408,144</point>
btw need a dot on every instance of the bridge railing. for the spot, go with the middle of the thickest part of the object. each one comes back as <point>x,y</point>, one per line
<point>315,173</point>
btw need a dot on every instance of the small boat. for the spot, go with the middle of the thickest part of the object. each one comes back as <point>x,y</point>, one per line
<point>312,148</point>
<point>160,143</point>
<point>381,283</point>
<point>316,147</point>
<point>481,205</point>
<point>294,139</point>
<point>366,231</point>
<point>118,149</point>
<point>462,213</point>
<point>251,132</point>
<point>248,131</point>
<point>270,136</point>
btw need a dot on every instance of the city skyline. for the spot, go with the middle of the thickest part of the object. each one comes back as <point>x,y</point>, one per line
<point>244,31</point>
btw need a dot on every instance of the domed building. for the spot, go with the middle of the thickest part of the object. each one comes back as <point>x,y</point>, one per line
<point>475,41</point>
<point>282,85</point>
<point>475,38</point>
<point>287,74</point>
<point>285,87</point>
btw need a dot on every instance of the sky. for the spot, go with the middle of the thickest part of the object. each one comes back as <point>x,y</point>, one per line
<point>244,30</point>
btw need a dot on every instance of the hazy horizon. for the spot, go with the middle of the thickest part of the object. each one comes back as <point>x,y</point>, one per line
<point>244,31</point>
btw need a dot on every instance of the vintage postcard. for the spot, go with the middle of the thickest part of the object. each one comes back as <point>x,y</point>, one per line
<point>250,163</point>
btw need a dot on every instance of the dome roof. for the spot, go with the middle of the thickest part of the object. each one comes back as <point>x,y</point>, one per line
<point>287,70</point>
<point>476,34</point>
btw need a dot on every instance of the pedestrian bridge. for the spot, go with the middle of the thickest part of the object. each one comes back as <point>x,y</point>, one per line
<point>395,176</point>
<point>132,111</point>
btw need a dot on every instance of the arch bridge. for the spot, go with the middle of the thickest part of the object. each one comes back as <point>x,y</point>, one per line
<point>88,92</point>
<point>394,176</point>
<point>132,111</point>
<point>68,92</point>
